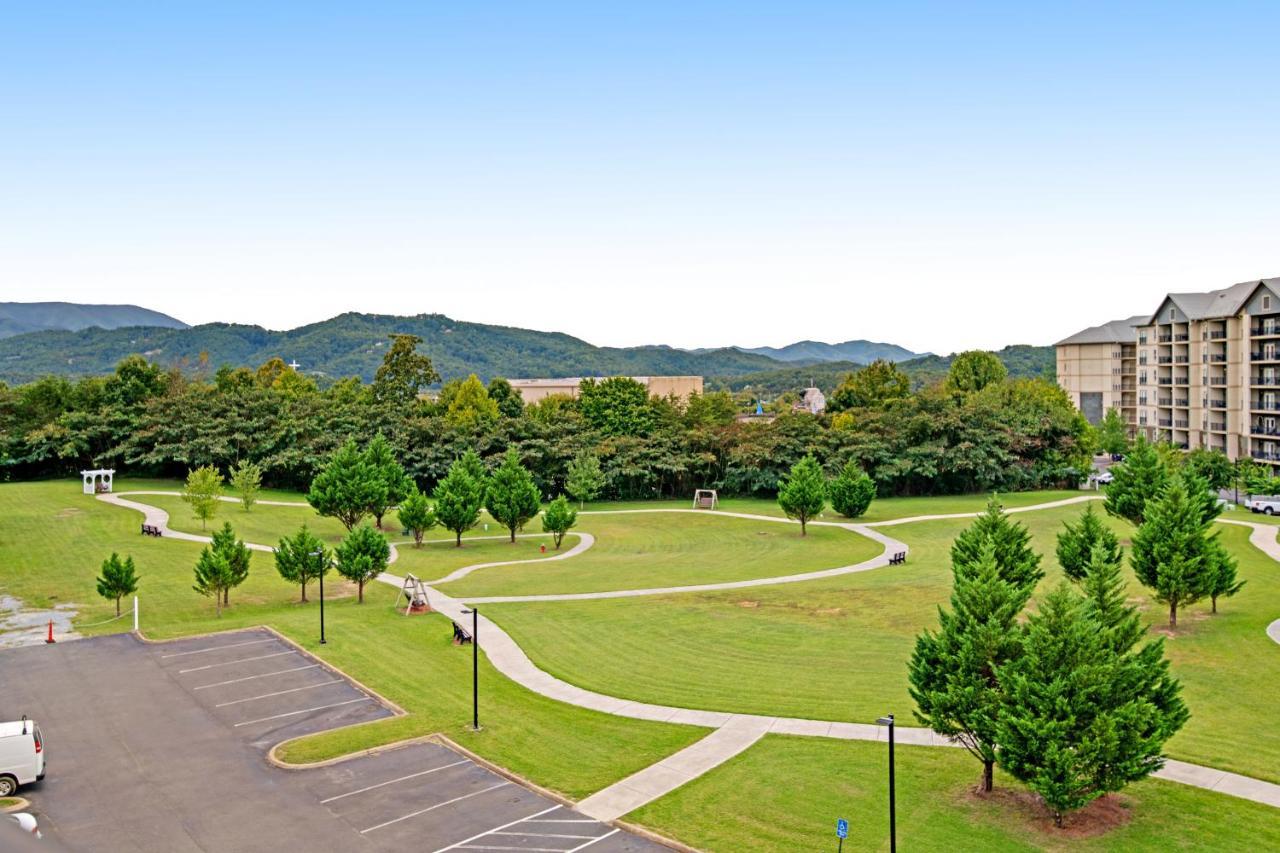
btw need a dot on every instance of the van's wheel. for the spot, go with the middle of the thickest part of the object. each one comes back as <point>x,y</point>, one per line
<point>1266,510</point>
<point>8,786</point>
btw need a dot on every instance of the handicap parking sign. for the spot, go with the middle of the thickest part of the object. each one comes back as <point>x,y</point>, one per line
<point>842,828</point>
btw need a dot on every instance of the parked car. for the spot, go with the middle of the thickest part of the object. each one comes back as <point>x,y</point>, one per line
<point>1104,478</point>
<point>21,755</point>
<point>25,822</point>
<point>1266,506</point>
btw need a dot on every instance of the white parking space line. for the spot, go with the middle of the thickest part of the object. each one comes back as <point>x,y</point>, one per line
<point>219,648</point>
<point>459,844</point>
<point>252,677</point>
<point>562,820</point>
<point>546,835</point>
<point>393,781</point>
<point>303,711</point>
<point>279,693</point>
<point>593,841</point>
<point>525,849</point>
<point>234,662</point>
<point>501,784</point>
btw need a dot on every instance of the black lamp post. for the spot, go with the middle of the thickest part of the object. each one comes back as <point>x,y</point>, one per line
<point>323,569</point>
<point>893,817</point>
<point>475,667</point>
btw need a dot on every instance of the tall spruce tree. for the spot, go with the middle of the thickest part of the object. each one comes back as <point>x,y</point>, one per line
<point>852,491</point>
<point>458,498</point>
<point>1078,720</point>
<point>348,488</point>
<point>1171,552</point>
<point>804,494</point>
<point>1077,541</point>
<point>1140,478</point>
<point>237,556</point>
<point>361,557</point>
<point>301,558</point>
<point>1225,582</point>
<point>381,461</point>
<point>212,576</point>
<point>952,674</point>
<point>1016,562</point>
<point>416,515</point>
<point>512,497</point>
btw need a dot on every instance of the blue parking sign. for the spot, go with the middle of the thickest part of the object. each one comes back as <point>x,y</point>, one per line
<point>842,828</point>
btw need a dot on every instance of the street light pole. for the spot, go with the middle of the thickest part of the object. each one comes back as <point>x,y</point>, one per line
<point>475,667</point>
<point>323,569</point>
<point>893,817</point>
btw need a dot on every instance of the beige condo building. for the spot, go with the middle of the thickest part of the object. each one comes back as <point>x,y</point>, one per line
<point>1203,370</point>
<point>533,390</point>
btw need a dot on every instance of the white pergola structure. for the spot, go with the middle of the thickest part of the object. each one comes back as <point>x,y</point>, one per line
<point>91,486</point>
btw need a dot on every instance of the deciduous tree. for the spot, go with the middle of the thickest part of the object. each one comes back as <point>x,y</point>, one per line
<point>512,497</point>
<point>302,558</point>
<point>1113,433</point>
<point>585,479</point>
<point>246,480</point>
<point>404,372</point>
<point>852,491</point>
<point>381,461</point>
<point>416,515</point>
<point>203,493</point>
<point>975,370</point>
<point>458,499</point>
<point>348,488</point>
<point>559,519</point>
<point>118,579</point>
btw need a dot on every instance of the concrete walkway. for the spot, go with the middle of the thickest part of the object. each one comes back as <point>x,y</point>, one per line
<point>733,733</point>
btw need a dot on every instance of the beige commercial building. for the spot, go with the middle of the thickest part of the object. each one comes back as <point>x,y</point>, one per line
<point>533,390</point>
<point>1203,370</point>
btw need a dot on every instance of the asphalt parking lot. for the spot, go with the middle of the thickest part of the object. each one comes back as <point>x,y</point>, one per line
<point>162,747</point>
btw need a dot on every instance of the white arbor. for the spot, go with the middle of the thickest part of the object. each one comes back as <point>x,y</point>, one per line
<point>92,486</point>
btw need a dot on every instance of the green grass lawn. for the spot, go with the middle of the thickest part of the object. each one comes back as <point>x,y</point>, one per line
<point>641,550</point>
<point>837,649</point>
<point>785,793</point>
<point>55,539</point>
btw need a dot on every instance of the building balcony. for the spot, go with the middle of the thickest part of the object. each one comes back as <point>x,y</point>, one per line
<point>1266,455</point>
<point>1181,402</point>
<point>1216,426</point>
<point>1216,404</point>
<point>1164,422</point>
<point>1217,335</point>
<point>1216,380</point>
<point>1259,429</point>
<point>1181,337</point>
<point>1181,359</point>
<point>1164,359</point>
<point>1181,424</point>
<point>1216,357</point>
<point>1181,380</point>
<point>1264,381</point>
<point>1265,330</point>
<point>1264,356</point>
<point>1262,406</point>
<point>1164,339</point>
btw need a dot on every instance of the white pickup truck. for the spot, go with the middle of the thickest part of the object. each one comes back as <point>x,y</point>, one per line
<point>1266,506</point>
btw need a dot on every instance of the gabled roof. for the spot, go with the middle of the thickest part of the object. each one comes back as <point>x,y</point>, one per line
<point>1115,332</point>
<point>1215,304</point>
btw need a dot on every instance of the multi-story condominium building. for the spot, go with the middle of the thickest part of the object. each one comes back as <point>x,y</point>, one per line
<point>1206,372</point>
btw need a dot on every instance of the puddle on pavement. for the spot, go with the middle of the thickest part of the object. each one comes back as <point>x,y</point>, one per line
<point>22,626</point>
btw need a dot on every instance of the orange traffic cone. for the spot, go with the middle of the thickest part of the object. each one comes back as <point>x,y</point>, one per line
<point>50,638</point>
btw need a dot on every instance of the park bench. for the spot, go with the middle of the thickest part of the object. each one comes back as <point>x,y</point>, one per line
<point>898,559</point>
<point>461,636</point>
<point>151,530</point>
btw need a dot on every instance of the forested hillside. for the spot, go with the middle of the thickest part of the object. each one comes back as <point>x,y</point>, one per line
<point>17,318</point>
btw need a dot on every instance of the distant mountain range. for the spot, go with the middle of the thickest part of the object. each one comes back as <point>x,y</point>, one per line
<point>17,318</point>
<point>859,352</point>
<point>80,340</point>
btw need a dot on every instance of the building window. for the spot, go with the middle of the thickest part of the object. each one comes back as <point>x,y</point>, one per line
<point>1266,302</point>
<point>1170,314</point>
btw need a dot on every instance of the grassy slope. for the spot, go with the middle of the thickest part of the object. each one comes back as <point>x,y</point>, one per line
<point>785,793</point>
<point>55,538</point>
<point>837,649</point>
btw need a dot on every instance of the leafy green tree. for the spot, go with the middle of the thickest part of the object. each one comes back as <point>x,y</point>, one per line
<point>1225,583</point>
<point>512,497</point>
<point>952,675</point>
<point>616,406</point>
<point>416,515</point>
<point>1212,466</point>
<point>467,404</point>
<point>1072,728</point>
<point>203,492</point>
<point>871,387</point>
<point>852,491</point>
<point>712,409</point>
<point>1171,552</point>
<point>975,370</point>
<point>585,479</point>
<point>246,480</point>
<point>1140,478</point>
<point>1113,433</point>
<point>302,558</point>
<point>559,519</point>
<point>1016,561</point>
<point>508,400</point>
<point>404,372</point>
<point>362,556</point>
<point>1077,541</point>
<point>804,494</point>
<point>213,576</point>
<point>348,488</point>
<point>458,499</point>
<point>381,461</point>
<point>118,579</point>
<point>237,555</point>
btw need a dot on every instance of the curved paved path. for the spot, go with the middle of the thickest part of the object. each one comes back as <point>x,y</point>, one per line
<point>733,733</point>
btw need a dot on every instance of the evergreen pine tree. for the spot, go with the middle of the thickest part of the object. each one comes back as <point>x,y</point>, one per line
<point>1016,562</point>
<point>458,498</point>
<point>1140,478</point>
<point>1077,541</point>
<point>361,557</point>
<point>416,515</point>
<point>852,491</point>
<point>302,558</point>
<point>512,497</point>
<point>236,554</point>
<point>1171,552</point>
<point>348,488</point>
<point>804,494</point>
<point>118,579</point>
<point>381,461</point>
<point>952,674</point>
<point>559,518</point>
<point>1225,583</point>
<point>212,576</point>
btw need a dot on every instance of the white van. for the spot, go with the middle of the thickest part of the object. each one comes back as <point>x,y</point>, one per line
<point>21,755</point>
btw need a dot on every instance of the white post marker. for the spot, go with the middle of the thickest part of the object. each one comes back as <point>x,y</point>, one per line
<point>135,613</point>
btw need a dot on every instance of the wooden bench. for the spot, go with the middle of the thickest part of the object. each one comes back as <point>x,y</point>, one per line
<point>151,530</point>
<point>898,559</point>
<point>461,636</point>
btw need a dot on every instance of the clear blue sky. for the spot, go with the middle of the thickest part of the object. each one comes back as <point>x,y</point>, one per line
<point>939,175</point>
